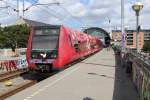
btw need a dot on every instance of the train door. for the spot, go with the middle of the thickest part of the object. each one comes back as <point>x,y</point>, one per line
<point>75,48</point>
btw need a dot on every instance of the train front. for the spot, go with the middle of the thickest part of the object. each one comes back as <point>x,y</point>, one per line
<point>42,48</point>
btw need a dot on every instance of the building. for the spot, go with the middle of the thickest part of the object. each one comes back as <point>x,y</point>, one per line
<point>131,39</point>
<point>144,35</point>
<point>30,23</point>
<point>116,35</point>
<point>100,33</point>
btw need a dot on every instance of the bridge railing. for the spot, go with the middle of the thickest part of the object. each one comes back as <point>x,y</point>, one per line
<point>140,71</point>
<point>145,57</point>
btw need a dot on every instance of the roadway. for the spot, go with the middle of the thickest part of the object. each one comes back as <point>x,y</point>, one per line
<point>98,77</point>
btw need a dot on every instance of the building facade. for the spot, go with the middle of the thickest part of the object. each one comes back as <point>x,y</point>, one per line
<point>144,35</point>
<point>116,35</point>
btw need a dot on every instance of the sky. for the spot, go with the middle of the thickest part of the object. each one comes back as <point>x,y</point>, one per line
<point>78,13</point>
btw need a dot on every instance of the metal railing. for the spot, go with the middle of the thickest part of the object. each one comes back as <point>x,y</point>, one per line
<point>145,57</point>
<point>141,68</point>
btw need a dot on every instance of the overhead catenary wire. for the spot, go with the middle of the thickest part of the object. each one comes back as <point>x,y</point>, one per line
<point>76,18</point>
<point>47,11</point>
<point>44,8</point>
<point>63,19</point>
<point>38,7</point>
<point>7,6</point>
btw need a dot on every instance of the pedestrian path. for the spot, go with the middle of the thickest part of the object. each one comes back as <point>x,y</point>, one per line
<point>95,78</point>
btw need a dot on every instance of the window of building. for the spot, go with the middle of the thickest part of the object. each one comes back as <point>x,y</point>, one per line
<point>129,42</point>
<point>129,37</point>
<point>130,34</point>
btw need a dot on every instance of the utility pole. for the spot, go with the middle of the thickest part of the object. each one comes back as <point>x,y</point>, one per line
<point>18,8</point>
<point>110,33</point>
<point>123,44</point>
<point>122,27</point>
<point>23,7</point>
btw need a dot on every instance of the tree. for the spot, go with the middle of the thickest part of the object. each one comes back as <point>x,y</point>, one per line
<point>146,46</point>
<point>14,34</point>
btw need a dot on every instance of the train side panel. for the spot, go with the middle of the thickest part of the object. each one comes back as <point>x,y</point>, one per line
<point>64,49</point>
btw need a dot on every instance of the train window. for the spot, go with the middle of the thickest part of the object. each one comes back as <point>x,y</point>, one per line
<point>48,31</point>
<point>45,38</point>
<point>70,42</point>
<point>76,45</point>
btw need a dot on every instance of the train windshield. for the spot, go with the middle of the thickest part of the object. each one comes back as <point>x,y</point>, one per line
<point>45,38</point>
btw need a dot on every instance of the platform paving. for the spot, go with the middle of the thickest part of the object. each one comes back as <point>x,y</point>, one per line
<point>98,77</point>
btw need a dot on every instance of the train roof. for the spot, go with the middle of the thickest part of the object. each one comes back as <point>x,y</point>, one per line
<point>48,26</point>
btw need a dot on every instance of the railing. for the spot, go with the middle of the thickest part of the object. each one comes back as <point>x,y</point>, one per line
<point>140,71</point>
<point>145,57</point>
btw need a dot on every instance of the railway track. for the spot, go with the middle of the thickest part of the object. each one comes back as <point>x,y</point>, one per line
<point>9,75</point>
<point>13,90</point>
<point>9,86</point>
<point>15,86</point>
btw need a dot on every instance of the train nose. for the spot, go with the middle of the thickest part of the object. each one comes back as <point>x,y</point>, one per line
<point>40,54</point>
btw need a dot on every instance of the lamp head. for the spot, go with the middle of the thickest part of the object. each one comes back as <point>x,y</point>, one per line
<point>137,6</point>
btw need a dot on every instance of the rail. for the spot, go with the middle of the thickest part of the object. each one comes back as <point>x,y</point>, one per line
<point>145,57</point>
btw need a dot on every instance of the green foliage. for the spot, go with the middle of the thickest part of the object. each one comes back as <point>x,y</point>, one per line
<point>146,46</point>
<point>14,34</point>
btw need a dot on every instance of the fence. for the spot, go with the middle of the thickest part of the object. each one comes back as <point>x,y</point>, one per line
<point>9,63</point>
<point>140,71</point>
<point>145,57</point>
<point>141,79</point>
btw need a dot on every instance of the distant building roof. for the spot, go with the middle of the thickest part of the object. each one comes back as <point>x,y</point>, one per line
<point>30,22</point>
<point>142,30</point>
<point>116,30</point>
<point>100,30</point>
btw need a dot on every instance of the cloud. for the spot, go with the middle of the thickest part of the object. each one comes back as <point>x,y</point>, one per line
<point>80,13</point>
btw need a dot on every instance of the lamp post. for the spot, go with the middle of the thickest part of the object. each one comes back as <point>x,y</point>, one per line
<point>122,29</point>
<point>137,7</point>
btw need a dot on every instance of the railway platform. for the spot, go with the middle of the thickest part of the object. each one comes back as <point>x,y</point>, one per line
<point>99,77</point>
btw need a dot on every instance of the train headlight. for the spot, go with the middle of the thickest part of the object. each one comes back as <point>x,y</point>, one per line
<point>53,55</point>
<point>34,56</point>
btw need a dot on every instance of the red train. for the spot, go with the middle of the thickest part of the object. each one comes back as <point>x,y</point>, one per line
<point>52,47</point>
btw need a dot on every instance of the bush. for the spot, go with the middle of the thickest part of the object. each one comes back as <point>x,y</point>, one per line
<point>146,46</point>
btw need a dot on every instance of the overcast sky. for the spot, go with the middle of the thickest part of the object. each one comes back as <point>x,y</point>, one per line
<point>77,13</point>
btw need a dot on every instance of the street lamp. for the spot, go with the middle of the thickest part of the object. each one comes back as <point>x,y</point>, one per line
<point>137,7</point>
